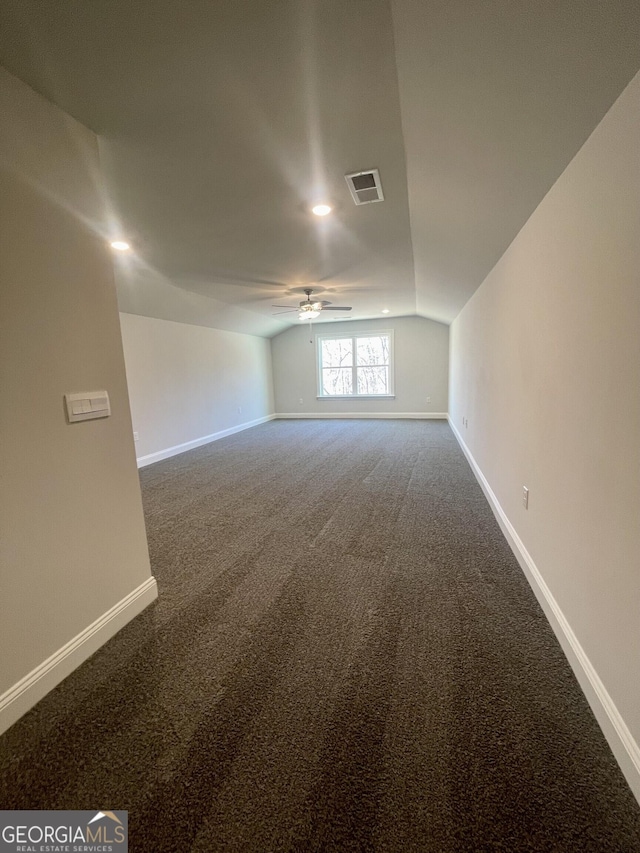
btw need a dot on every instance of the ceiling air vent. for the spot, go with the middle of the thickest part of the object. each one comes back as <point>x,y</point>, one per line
<point>365,187</point>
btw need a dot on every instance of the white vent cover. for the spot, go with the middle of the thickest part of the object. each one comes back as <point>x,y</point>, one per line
<point>365,187</point>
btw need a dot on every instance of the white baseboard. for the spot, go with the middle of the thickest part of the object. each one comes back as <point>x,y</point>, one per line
<point>33,687</point>
<point>622,743</point>
<point>150,458</point>
<point>159,455</point>
<point>350,415</point>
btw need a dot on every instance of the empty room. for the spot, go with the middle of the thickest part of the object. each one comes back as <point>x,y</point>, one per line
<point>319,426</point>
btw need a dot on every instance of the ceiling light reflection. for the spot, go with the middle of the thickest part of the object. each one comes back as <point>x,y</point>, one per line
<point>120,245</point>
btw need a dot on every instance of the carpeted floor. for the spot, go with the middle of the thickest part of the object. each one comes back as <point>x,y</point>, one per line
<point>345,656</point>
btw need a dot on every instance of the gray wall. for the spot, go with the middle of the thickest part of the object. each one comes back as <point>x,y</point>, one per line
<point>421,368</point>
<point>545,365</point>
<point>188,382</point>
<point>73,536</point>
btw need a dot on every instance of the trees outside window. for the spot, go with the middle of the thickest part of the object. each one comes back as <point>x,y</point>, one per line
<point>355,365</point>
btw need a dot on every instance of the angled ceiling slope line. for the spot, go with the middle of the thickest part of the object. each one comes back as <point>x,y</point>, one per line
<point>496,100</point>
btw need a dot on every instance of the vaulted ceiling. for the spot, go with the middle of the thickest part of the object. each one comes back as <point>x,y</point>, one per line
<point>220,124</point>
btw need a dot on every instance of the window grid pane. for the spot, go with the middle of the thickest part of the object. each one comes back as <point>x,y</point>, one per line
<point>337,353</point>
<point>337,381</point>
<point>373,379</point>
<point>373,349</point>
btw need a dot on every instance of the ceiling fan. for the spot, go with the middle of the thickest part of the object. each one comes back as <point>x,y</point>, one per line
<point>308,309</point>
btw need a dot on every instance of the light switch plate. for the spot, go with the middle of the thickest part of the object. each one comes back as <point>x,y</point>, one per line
<point>87,406</point>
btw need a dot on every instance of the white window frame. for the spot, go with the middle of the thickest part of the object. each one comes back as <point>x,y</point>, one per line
<point>354,367</point>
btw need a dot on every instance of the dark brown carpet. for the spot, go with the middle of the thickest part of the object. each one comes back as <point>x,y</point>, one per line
<point>345,656</point>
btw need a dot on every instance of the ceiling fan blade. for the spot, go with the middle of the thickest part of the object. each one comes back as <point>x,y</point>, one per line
<point>284,306</point>
<point>277,313</point>
<point>336,308</point>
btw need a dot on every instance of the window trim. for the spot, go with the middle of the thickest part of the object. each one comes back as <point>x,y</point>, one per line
<point>353,336</point>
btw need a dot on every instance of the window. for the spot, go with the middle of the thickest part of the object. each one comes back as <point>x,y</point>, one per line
<point>355,365</point>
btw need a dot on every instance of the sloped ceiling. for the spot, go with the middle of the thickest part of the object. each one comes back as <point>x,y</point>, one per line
<point>221,123</point>
<point>497,97</point>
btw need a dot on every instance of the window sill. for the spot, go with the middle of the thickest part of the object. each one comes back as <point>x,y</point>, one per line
<point>357,397</point>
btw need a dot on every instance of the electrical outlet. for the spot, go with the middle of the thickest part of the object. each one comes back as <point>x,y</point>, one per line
<point>428,399</point>
<point>525,497</point>
<point>135,436</point>
<point>301,401</point>
<point>239,410</point>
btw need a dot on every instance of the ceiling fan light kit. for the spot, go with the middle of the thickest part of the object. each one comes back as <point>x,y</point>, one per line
<point>308,310</point>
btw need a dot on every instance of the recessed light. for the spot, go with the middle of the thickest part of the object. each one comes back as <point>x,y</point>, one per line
<point>321,209</point>
<point>120,245</point>
<point>385,310</point>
